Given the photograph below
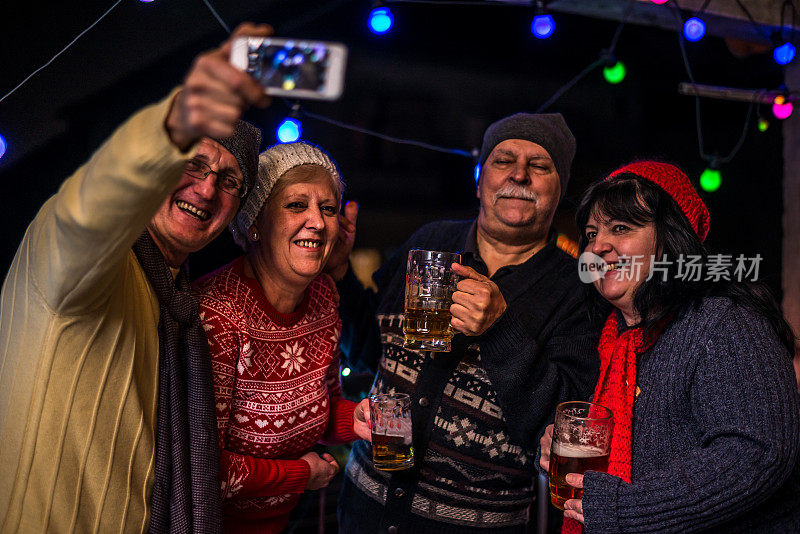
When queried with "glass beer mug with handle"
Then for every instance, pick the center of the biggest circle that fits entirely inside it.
(390, 420)
(581, 442)
(430, 283)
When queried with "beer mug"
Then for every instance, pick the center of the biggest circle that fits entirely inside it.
(430, 283)
(581, 442)
(390, 417)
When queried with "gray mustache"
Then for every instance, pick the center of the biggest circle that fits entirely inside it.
(514, 191)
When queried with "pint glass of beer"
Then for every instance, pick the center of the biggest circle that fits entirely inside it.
(581, 441)
(390, 416)
(430, 283)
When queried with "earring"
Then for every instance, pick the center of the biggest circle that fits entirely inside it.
(254, 235)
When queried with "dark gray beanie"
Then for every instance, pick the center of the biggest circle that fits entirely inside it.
(244, 145)
(548, 130)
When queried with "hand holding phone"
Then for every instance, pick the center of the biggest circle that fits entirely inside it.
(293, 68)
(214, 94)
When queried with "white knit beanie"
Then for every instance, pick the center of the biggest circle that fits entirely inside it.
(273, 163)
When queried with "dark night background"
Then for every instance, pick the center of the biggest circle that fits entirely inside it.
(442, 75)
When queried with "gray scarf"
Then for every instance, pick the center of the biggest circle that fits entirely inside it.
(186, 490)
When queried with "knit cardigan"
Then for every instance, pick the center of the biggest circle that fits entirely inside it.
(79, 344)
(716, 433)
(276, 383)
(478, 410)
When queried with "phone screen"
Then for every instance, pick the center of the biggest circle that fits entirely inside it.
(289, 65)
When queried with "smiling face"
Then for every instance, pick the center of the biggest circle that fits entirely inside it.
(196, 212)
(518, 190)
(628, 250)
(298, 227)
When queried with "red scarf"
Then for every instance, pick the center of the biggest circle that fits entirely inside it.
(616, 390)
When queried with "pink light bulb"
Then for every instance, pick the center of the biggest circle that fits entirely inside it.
(782, 111)
(659, 2)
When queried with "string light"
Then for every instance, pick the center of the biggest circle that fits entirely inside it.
(289, 130)
(216, 16)
(784, 53)
(781, 108)
(711, 179)
(543, 24)
(694, 29)
(381, 20)
(615, 73)
(34, 73)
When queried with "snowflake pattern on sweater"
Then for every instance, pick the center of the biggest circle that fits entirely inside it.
(276, 382)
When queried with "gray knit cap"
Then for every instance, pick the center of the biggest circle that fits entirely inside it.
(244, 145)
(548, 130)
(273, 163)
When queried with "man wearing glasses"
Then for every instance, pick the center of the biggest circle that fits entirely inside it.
(107, 422)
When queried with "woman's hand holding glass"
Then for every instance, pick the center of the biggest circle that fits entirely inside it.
(361, 426)
(573, 508)
(545, 442)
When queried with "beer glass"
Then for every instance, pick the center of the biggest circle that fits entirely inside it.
(390, 417)
(581, 441)
(430, 283)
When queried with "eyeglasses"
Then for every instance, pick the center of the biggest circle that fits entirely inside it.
(226, 182)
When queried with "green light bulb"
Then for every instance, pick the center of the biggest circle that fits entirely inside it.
(710, 180)
(763, 124)
(615, 73)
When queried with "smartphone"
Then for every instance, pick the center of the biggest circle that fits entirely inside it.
(293, 68)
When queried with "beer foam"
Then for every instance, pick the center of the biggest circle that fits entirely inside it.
(570, 450)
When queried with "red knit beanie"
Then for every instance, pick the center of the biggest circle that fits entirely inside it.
(672, 180)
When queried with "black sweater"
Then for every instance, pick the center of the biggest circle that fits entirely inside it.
(540, 352)
(716, 433)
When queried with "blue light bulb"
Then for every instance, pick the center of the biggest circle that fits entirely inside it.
(2, 146)
(784, 53)
(380, 20)
(289, 130)
(477, 172)
(543, 26)
(694, 29)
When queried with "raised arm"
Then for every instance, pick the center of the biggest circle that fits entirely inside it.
(76, 245)
(79, 239)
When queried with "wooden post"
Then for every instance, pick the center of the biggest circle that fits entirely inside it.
(791, 213)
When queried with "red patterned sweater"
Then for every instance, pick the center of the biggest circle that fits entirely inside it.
(276, 381)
